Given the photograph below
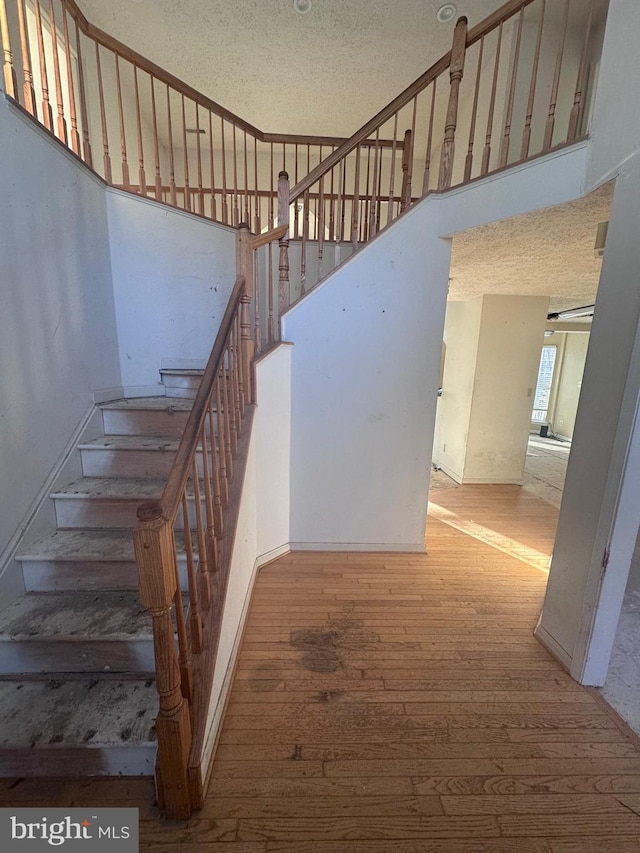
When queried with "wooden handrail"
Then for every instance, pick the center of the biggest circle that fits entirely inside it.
(269, 236)
(360, 136)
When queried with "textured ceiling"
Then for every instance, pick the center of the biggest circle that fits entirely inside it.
(549, 252)
(326, 72)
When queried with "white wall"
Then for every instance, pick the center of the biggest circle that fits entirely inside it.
(461, 333)
(173, 274)
(510, 339)
(615, 127)
(572, 352)
(365, 373)
(58, 338)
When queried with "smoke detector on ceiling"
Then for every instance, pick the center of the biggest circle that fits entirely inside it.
(302, 6)
(446, 13)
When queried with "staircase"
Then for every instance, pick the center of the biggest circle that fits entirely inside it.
(77, 647)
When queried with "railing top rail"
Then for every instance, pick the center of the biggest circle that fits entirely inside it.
(168, 505)
(492, 22)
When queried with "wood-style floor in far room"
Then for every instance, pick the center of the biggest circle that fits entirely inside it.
(394, 703)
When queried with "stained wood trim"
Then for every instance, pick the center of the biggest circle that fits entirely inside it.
(269, 236)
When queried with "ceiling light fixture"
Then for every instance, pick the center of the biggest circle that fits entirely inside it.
(302, 6)
(446, 13)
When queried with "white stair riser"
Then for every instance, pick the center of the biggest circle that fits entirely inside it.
(144, 422)
(59, 575)
(54, 656)
(115, 462)
(100, 514)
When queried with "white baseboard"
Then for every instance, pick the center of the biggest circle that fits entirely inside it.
(552, 645)
(454, 476)
(403, 547)
(270, 556)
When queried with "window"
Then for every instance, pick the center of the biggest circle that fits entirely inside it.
(543, 388)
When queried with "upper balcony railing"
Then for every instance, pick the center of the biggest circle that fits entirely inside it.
(139, 127)
(517, 86)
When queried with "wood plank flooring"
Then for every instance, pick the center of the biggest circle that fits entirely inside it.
(394, 703)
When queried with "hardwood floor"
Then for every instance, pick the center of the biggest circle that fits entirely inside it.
(394, 703)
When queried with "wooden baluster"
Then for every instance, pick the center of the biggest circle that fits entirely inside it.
(257, 219)
(244, 265)
(236, 210)
(427, 157)
(392, 169)
(305, 240)
(210, 535)
(47, 113)
(27, 89)
(343, 198)
(187, 194)
(456, 72)
(272, 222)
(126, 182)
(576, 109)
(332, 204)
(204, 585)
(199, 155)
(247, 212)
(155, 558)
(212, 170)
(270, 317)
(9, 72)
(284, 294)
(225, 207)
(526, 134)
(364, 225)
(142, 178)
(257, 334)
(172, 167)
(231, 396)
(86, 142)
(486, 153)
(356, 201)
(372, 227)
(103, 120)
(75, 136)
(216, 456)
(195, 618)
(236, 377)
(506, 139)
(156, 146)
(184, 659)
(551, 119)
(296, 231)
(320, 225)
(224, 436)
(468, 164)
(407, 158)
(61, 122)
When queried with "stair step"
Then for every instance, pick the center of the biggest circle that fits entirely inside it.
(105, 631)
(104, 502)
(77, 727)
(159, 416)
(181, 382)
(85, 560)
(128, 456)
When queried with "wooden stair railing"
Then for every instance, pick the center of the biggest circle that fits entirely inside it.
(489, 103)
(199, 505)
(138, 126)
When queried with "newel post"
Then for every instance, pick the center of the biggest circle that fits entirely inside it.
(456, 72)
(283, 263)
(244, 266)
(155, 557)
